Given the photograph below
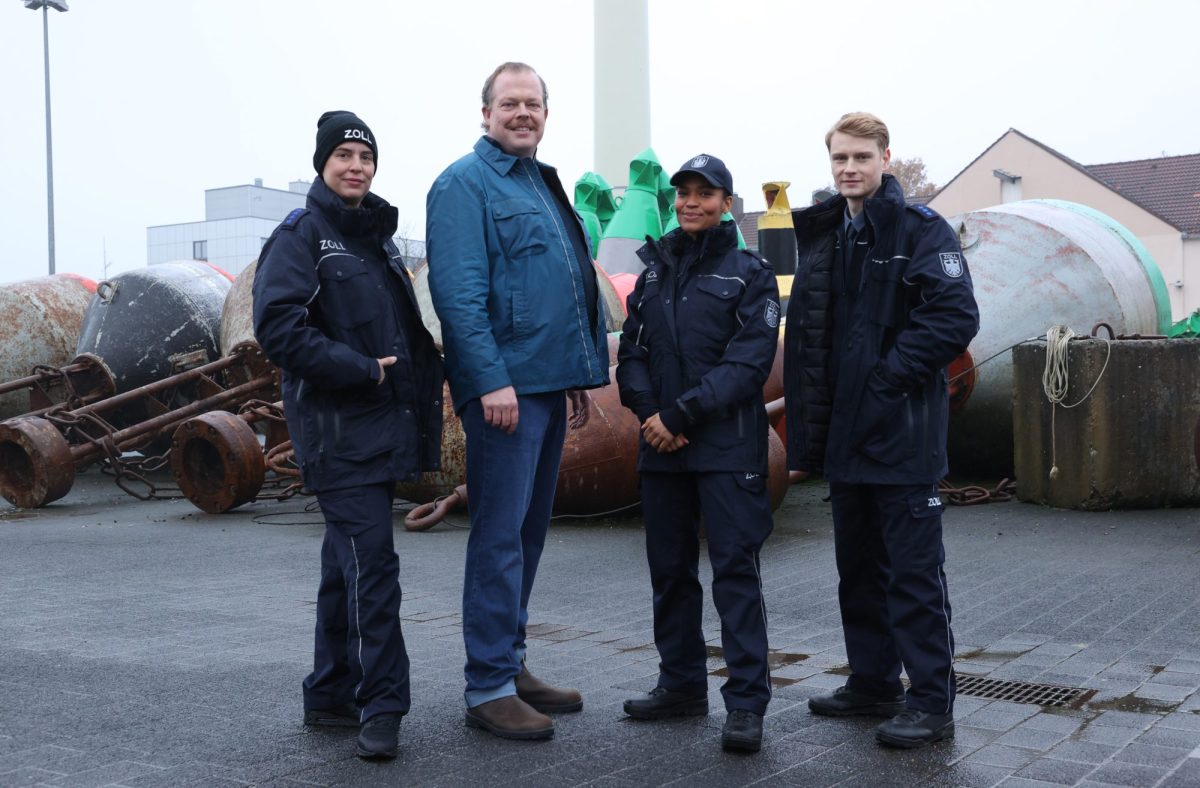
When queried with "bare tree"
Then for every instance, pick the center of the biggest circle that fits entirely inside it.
(912, 177)
(412, 250)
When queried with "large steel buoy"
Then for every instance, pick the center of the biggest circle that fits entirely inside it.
(138, 320)
(39, 325)
(237, 311)
(1036, 264)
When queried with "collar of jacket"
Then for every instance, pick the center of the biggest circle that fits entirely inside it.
(821, 218)
(671, 247)
(490, 151)
(375, 215)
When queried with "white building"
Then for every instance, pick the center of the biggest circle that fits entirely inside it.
(238, 220)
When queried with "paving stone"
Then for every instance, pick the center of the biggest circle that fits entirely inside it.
(1001, 755)
(1163, 692)
(1189, 680)
(1129, 774)
(774, 759)
(1151, 755)
(806, 774)
(999, 719)
(1171, 737)
(1031, 738)
(117, 772)
(1186, 776)
(1107, 734)
(1059, 723)
(969, 775)
(1187, 722)
(29, 775)
(1183, 665)
(1055, 771)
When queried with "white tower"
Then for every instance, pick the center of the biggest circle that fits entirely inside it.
(622, 71)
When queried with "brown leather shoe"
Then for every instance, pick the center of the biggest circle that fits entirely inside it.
(545, 698)
(510, 718)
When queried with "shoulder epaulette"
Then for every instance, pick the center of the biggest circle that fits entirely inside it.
(925, 212)
(292, 219)
(758, 258)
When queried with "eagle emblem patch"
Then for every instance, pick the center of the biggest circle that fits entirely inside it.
(771, 314)
(952, 264)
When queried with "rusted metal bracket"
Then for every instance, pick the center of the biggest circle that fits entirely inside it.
(219, 464)
(85, 380)
(40, 455)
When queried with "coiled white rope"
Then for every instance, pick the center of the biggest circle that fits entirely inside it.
(1056, 380)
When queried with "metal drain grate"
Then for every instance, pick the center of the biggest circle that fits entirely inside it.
(1020, 691)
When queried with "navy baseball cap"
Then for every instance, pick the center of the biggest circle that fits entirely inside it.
(710, 168)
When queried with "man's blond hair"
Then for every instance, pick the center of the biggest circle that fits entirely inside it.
(860, 124)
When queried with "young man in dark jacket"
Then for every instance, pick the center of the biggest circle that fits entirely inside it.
(362, 383)
(881, 303)
(696, 349)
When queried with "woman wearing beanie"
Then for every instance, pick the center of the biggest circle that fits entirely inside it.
(695, 352)
(362, 385)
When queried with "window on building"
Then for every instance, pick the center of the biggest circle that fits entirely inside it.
(199, 250)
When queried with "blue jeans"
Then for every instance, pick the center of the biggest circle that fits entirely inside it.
(510, 492)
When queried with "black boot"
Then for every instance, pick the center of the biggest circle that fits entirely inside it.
(377, 739)
(844, 702)
(742, 731)
(912, 728)
(661, 702)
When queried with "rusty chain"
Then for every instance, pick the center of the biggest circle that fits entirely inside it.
(973, 495)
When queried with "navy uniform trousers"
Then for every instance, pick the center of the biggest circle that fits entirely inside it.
(358, 653)
(737, 520)
(892, 592)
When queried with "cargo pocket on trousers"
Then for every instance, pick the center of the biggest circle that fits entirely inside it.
(923, 534)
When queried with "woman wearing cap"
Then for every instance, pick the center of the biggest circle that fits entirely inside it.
(362, 383)
(695, 352)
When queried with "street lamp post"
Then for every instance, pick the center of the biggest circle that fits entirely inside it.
(46, 5)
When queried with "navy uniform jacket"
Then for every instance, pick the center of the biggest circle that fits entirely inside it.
(330, 297)
(697, 348)
(885, 421)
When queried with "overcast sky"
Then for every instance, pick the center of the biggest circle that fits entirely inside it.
(154, 102)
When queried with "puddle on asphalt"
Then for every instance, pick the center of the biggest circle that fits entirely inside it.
(776, 681)
(989, 656)
(643, 647)
(775, 659)
(16, 514)
(1133, 703)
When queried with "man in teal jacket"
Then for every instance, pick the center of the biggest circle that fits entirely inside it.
(522, 326)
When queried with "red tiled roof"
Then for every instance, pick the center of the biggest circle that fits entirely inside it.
(748, 224)
(1168, 187)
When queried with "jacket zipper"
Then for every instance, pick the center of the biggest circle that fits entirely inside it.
(567, 258)
(924, 430)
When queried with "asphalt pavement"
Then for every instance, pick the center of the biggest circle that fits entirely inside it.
(145, 643)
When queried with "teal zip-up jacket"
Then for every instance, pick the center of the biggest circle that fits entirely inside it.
(505, 282)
